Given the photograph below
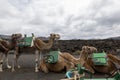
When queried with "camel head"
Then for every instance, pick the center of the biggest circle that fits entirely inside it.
(54, 36)
(89, 49)
(84, 54)
(16, 36)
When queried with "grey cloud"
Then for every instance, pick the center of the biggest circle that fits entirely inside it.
(98, 19)
(109, 20)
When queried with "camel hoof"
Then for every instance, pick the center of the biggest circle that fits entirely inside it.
(1, 70)
(36, 70)
(13, 70)
(9, 67)
(19, 67)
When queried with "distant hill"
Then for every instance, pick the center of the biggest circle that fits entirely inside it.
(43, 38)
(108, 44)
(7, 37)
(115, 38)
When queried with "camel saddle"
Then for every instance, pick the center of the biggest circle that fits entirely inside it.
(99, 58)
(52, 57)
(26, 42)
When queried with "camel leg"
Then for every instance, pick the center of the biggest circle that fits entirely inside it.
(13, 63)
(1, 62)
(43, 67)
(89, 68)
(114, 58)
(40, 57)
(36, 60)
(6, 60)
(69, 57)
(16, 59)
(75, 77)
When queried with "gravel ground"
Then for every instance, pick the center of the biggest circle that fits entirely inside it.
(26, 72)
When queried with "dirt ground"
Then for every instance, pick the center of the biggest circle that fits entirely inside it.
(26, 72)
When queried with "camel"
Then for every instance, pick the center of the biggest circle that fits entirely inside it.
(109, 68)
(38, 47)
(86, 61)
(74, 60)
(6, 46)
(61, 65)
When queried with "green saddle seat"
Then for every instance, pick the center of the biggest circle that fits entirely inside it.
(99, 58)
(27, 41)
(52, 57)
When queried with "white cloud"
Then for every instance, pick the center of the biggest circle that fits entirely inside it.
(73, 19)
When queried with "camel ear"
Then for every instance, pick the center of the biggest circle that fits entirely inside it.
(32, 34)
(51, 34)
(13, 35)
(84, 47)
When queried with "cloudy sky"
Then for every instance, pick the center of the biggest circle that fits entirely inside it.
(72, 19)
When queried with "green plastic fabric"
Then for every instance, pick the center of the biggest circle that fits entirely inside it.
(52, 57)
(101, 79)
(27, 41)
(99, 58)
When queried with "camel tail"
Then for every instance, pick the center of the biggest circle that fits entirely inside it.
(114, 58)
(3, 47)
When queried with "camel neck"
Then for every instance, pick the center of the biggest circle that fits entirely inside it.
(12, 43)
(49, 44)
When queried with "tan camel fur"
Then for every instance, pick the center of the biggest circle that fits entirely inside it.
(69, 57)
(6, 46)
(108, 69)
(86, 61)
(61, 65)
(90, 49)
(39, 46)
